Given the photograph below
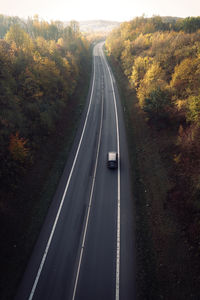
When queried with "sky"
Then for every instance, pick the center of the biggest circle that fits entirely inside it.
(83, 10)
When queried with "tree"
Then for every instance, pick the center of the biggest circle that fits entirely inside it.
(127, 57)
(193, 113)
(140, 66)
(20, 38)
(191, 24)
(18, 149)
(185, 79)
(157, 104)
(154, 78)
(74, 25)
(114, 44)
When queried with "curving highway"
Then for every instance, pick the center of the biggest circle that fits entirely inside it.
(86, 248)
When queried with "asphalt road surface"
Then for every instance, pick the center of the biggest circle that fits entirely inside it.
(86, 248)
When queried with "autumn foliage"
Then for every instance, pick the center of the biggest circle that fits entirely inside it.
(40, 66)
(161, 59)
(17, 148)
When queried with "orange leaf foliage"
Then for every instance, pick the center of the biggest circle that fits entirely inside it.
(17, 147)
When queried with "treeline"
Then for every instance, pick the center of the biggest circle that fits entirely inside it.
(40, 65)
(161, 60)
(36, 27)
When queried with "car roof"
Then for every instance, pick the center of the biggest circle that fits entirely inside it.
(112, 155)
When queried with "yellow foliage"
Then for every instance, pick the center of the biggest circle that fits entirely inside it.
(181, 104)
(142, 42)
(19, 38)
(185, 79)
(153, 78)
(141, 64)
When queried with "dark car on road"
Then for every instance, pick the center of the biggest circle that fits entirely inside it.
(112, 160)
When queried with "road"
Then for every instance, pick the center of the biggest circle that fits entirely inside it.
(86, 248)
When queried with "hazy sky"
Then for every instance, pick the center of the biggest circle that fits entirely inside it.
(119, 10)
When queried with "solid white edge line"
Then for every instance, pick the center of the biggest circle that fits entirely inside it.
(90, 202)
(118, 193)
(63, 197)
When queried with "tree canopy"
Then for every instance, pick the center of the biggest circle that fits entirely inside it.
(161, 59)
(40, 66)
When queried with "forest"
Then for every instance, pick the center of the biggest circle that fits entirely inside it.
(40, 65)
(44, 75)
(160, 59)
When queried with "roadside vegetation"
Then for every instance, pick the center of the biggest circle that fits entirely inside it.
(44, 79)
(157, 62)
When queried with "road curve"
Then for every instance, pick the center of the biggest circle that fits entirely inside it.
(86, 250)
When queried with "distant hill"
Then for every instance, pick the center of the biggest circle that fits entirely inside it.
(107, 26)
(98, 26)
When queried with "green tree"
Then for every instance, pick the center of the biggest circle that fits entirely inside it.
(193, 113)
(191, 24)
(20, 38)
(157, 104)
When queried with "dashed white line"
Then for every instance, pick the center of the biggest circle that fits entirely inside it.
(90, 203)
(89, 207)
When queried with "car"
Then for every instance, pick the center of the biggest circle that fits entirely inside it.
(112, 160)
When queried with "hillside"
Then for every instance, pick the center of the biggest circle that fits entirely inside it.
(98, 26)
(158, 66)
(43, 86)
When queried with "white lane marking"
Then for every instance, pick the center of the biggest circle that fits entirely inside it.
(118, 191)
(90, 203)
(63, 197)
